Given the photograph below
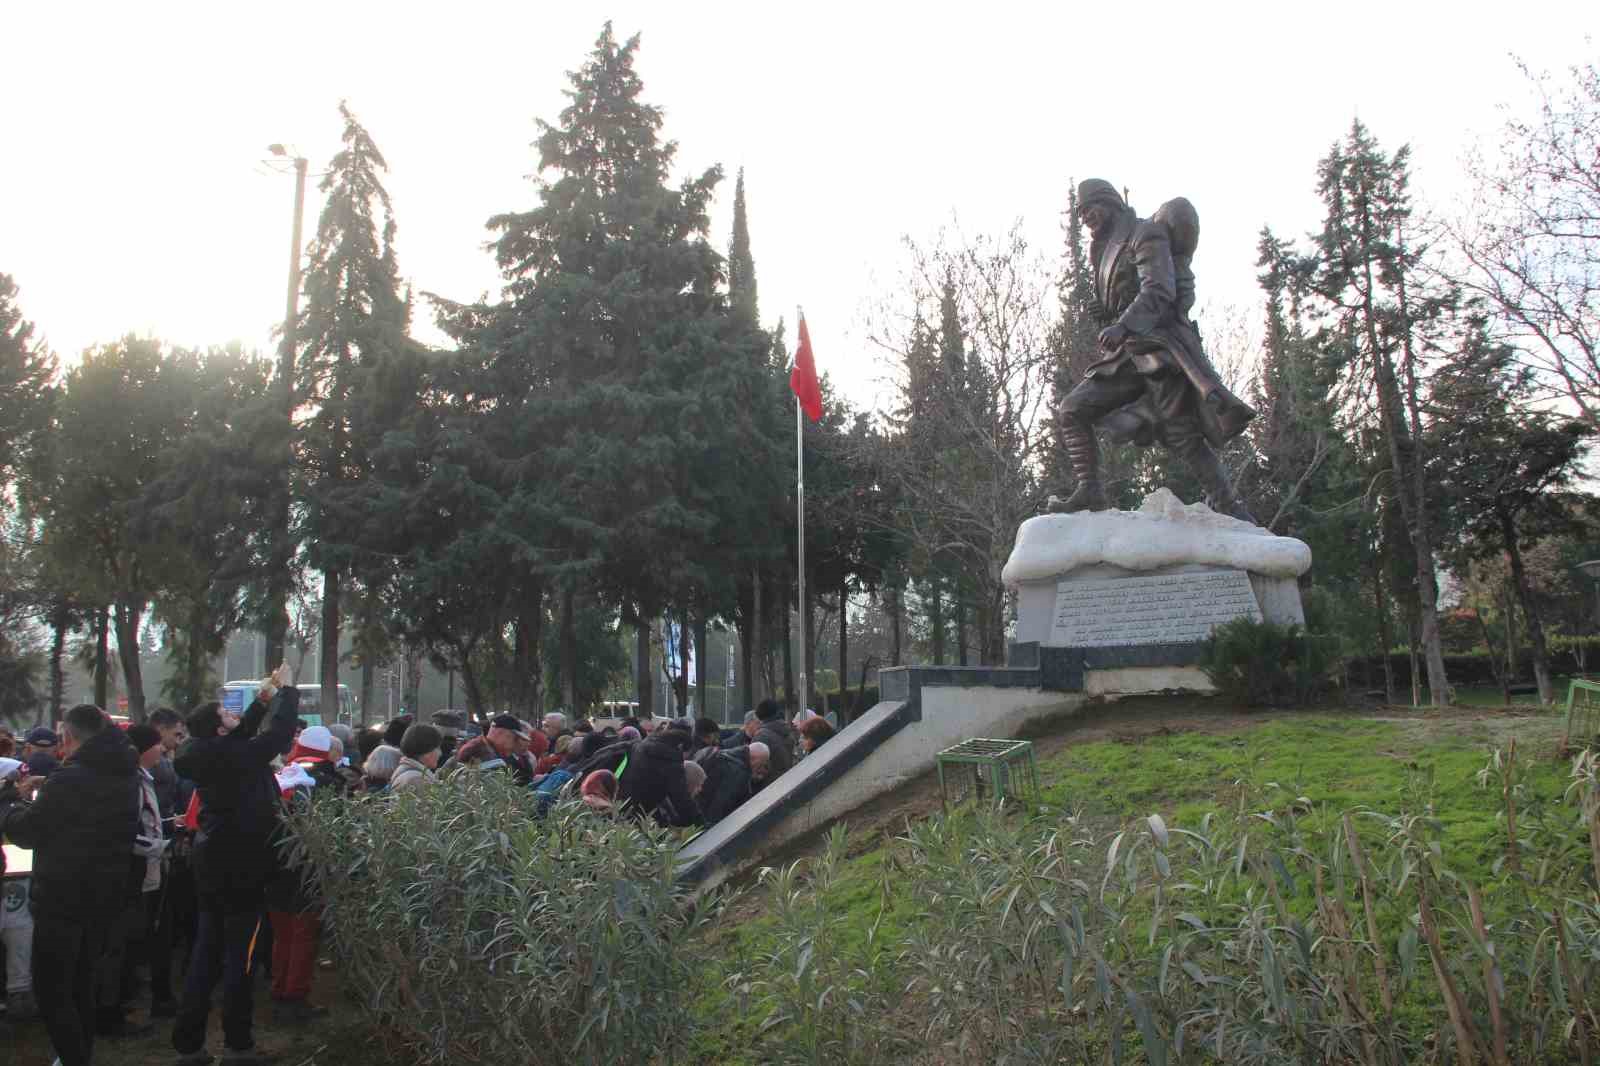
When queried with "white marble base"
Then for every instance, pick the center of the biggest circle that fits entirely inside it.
(1142, 680)
(1279, 598)
(1163, 537)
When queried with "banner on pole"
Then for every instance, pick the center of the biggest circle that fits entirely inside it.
(803, 378)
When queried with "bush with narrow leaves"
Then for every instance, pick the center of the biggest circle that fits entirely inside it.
(474, 931)
(825, 997)
(1286, 935)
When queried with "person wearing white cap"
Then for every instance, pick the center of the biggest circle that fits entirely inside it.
(309, 773)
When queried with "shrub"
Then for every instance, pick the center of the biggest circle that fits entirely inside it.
(826, 991)
(1568, 655)
(474, 931)
(1261, 664)
(1286, 935)
(853, 708)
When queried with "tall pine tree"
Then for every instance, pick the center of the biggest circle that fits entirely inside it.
(615, 325)
(354, 322)
(1367, 279)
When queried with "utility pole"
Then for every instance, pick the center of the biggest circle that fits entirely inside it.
(282, 551)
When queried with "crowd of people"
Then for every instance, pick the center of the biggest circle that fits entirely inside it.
(166, 840)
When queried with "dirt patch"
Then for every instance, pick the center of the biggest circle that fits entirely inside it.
(339, 1038)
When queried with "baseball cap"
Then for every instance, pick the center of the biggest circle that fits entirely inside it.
(41, 737)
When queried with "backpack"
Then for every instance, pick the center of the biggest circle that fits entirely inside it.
(1182, 223)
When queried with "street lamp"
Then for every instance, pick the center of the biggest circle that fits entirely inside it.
(1591, 569)
(278, 576)
(732, 651)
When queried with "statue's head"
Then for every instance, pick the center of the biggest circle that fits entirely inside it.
(1099, 204)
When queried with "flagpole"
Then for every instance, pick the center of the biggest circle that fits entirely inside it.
(800, 499)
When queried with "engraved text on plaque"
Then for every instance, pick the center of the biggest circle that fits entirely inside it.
(1160, 609)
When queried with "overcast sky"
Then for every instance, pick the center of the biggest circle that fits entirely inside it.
(133, 196)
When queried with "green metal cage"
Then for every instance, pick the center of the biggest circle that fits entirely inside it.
(985, 769)
(1583, 714)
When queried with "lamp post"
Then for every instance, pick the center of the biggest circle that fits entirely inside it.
(732, 650)
(282, 554)
(1591, 569)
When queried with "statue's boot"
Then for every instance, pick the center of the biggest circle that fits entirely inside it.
(1220, 496)
(1084, 457)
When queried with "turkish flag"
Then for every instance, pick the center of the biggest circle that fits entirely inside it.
(803, 378)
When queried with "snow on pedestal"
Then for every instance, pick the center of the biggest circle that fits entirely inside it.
(1163, 532)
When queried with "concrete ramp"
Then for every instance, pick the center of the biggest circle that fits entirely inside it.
(926, 711)
(749, 832)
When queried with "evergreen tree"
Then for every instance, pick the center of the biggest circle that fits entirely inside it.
(120, 410)
(1503, 464)
(354, 322)
(27, 370)
(1308, 480)
(27, 400)
(615, 330)
(1366, 278)
(741, 264)
(205, 509)
(752, 494)
(754, 546)
(436, 495)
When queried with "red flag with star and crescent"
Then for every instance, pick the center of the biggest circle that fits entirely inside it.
(803, 378)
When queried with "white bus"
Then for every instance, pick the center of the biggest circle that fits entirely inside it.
(236, 696)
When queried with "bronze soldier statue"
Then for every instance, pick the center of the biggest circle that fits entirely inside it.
(1153, 381)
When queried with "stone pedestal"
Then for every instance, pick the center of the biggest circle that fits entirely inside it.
(1137, 592)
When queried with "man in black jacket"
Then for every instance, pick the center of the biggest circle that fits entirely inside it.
(229, 760)
(81, 828)
(731, 778)
(777, 735)
(655, 774)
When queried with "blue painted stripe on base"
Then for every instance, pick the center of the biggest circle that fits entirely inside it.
(1127, 655)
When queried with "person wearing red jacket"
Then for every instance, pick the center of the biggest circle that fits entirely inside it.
(308, 775)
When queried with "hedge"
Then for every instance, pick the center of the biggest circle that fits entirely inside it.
(1476, 667)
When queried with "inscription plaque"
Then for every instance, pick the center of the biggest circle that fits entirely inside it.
(1159, 609)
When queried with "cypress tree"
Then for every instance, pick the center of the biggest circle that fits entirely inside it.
(741, 264)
